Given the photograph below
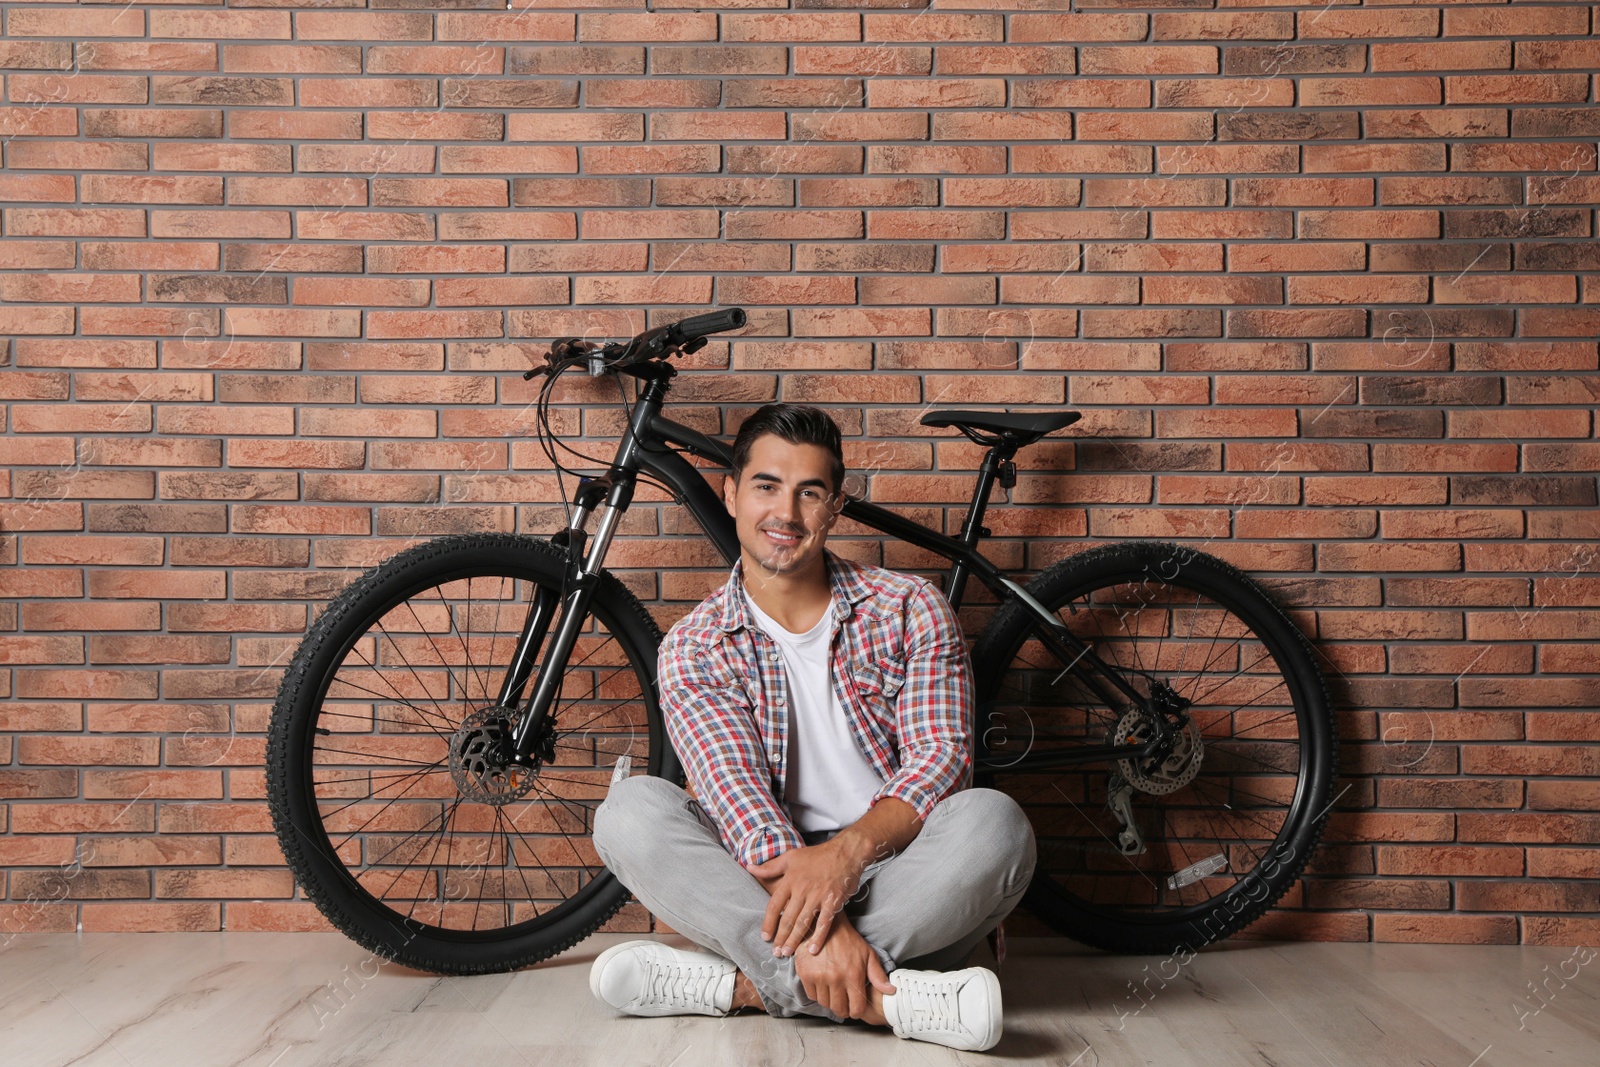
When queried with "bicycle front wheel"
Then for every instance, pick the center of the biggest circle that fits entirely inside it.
(1195, 843)
(389, 803)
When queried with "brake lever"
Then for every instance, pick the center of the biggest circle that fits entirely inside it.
(561, 351)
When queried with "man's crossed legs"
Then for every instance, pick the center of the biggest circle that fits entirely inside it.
(924, 909)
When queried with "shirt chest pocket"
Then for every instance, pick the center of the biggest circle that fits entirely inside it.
(878, 686)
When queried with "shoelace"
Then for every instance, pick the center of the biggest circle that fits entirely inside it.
(683, 985)
(932, 1006)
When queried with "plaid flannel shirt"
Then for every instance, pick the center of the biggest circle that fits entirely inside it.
(900, 670)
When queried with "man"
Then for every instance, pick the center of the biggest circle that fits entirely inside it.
(834, 861)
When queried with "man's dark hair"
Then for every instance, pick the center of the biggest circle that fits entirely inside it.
(798, 424)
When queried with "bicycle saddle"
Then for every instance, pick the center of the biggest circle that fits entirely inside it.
(1023, 428)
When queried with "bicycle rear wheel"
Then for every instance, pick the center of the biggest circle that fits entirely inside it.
(395, 818)
(1152, 856)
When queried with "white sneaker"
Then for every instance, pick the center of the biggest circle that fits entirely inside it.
(649, 978)
(960, 1009)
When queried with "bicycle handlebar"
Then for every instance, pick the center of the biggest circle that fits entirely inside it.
(702, 325)
(686, 335)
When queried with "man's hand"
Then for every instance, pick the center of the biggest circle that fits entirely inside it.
(838, 976)
(809, 887)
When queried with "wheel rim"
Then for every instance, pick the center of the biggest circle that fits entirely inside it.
(1230, 823)
(384, 797)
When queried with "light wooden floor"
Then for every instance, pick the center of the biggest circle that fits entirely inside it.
(268, 1000)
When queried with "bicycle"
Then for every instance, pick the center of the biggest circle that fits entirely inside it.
(1175, 757)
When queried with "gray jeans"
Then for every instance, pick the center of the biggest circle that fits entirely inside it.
(927, 907)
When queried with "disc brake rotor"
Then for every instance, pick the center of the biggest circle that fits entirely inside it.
(477, 761)
(1174, 772)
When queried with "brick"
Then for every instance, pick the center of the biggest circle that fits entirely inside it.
(157, 255)
(1567, 158)
(1442, 55)
(1288, 126)
(1274, 60)
(215, 288)
(1231, 93)
(75, 222)
(1221, 26)
(1453, 123)
(1268, 322)
(1335, 225)
(1303, 192)
(937, 92)
(1436, 256)
(43, 89)
(1292, 256)
(219, 223)
(1548, 55)
(591, 59)
(1364, 92)
(36, 55)
(1485, 289)
(1561, 189)
(44, 22)
(1137, 322)
(1500, 489)
(1124, 126)
(434, 125)
(291, 322)
(1154, 192)
(77, 684)
(152, 122)
(1145, 256)
(20, 254)
(1013, 125)
(1511, 355)
(56, 650)
(157, 518)
(82, 418)
(1230, 290)
(1358, 289)
(1078, 225)
(133, 189)
(1335, 23)
(1558, 322)
(1517, 223)
(1148, 59)
(1534, 22)
(1516, 88)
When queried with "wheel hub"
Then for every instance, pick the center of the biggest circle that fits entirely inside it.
(1173, 771)
(479, 759)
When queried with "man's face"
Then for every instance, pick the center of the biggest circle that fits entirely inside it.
(783, 504)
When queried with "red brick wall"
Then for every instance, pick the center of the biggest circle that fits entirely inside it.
(1321, 277)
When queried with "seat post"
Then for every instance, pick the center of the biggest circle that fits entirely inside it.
(996, 465)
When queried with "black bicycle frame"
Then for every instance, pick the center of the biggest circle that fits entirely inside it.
(648, 447)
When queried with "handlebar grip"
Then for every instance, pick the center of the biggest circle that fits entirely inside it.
(710, 322)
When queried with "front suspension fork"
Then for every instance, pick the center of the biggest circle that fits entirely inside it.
(582, 577)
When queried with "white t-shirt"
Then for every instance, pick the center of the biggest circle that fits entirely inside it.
(830, 782)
